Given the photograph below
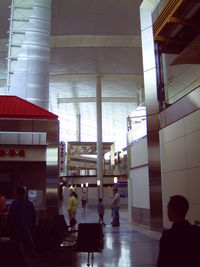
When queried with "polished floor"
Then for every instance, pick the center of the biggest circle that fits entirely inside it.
(124, 246)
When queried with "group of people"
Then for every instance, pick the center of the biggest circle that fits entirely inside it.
(73, 204)
(114, 208)
(178, 246)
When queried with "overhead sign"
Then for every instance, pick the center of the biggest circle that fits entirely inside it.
(62, 156)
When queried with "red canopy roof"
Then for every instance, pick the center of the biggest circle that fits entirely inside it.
(15, 107)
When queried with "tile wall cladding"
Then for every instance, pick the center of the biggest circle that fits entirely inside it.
(173, 155)
(141, 216)
(194, 212)
(180, 155)
(193, 149)
(139, 154)
(140, 187)
(192, 122)
(194, 185)
(172, 132)
(174, 183)
(166, 222)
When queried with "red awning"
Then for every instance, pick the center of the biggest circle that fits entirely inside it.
(15, 107)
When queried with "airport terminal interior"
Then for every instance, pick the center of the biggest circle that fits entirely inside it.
(96, 95)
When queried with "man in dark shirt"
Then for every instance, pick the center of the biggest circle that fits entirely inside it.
(21, 219)
(179, 246)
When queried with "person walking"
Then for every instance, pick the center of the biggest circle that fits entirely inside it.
(115, 207)
(21, 220)
(72, 208)
(100, 210)
(179, 246)
(84, 201)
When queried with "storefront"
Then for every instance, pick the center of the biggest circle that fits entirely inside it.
(29, 141)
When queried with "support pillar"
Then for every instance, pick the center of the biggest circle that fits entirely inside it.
(78, 127)
(99, 135)
(153, 103)
(29, 57)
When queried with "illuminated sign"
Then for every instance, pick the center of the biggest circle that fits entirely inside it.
(12, 153)
(62, 151)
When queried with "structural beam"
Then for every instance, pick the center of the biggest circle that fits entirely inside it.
(171, 7)
(170, 40)
(70, 77)
(93, 99)
(185, 22)
(95, 41)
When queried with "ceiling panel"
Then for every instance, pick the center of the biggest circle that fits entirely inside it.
(95, 17)
(76, 61)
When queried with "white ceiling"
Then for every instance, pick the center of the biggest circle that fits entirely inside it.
(90, 38)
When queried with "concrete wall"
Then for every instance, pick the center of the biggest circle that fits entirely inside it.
(180, 163)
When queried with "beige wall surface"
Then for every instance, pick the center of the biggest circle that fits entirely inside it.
(180, 163)
(139, 175)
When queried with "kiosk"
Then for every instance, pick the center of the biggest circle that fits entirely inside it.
(29, 143)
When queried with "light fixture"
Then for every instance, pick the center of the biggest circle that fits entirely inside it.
(115, 180)
(98, 182)
(71, 187)
(86, 184)
(82, 185)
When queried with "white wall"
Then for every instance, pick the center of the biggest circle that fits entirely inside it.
(180, 163)
(139, 155)
(140, 187)
(139, 175)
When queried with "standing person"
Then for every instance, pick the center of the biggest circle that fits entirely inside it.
(22, 219)
(179, 245)
(100, 209)
(2, 203)
(72, 208)
(84, 201)
(115, 207)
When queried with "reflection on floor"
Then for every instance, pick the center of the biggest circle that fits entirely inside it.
(124, 246)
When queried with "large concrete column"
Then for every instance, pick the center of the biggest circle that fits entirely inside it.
(29, 77)
(99, 135)
(153, 104)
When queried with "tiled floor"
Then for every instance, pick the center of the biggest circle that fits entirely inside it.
(124, 246)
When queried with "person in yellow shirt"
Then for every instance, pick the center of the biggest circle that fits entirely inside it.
(72, 208)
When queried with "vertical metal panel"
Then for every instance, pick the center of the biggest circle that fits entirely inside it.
(52, 180)
(153, 119)
(52, 129)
